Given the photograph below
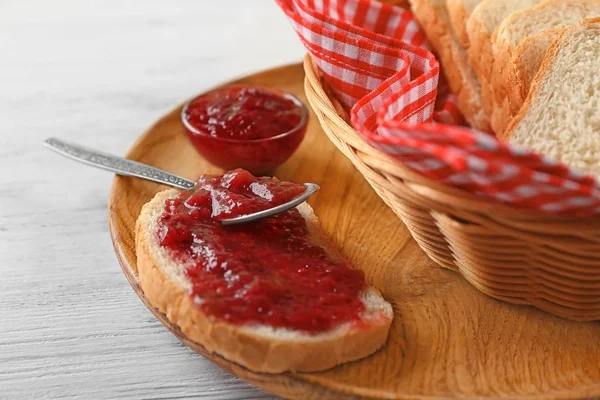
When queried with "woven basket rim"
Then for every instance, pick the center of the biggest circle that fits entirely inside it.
(437, 192)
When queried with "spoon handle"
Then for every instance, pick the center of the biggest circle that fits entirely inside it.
(118, 165)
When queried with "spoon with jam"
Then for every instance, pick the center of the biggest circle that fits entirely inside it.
(240, 196)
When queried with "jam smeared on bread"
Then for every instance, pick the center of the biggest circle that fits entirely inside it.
(164, 277)
(270, 272)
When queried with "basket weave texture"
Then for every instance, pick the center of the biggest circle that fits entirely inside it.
(519, 256)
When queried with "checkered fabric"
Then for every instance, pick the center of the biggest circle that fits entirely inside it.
(377, 62)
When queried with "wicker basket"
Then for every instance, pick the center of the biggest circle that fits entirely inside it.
(520, 256)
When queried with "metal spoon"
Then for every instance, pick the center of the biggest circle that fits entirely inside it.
(123, 166)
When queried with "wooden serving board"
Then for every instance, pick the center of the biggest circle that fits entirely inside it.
(447, 339)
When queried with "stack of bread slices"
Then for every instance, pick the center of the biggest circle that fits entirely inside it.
(525, 70)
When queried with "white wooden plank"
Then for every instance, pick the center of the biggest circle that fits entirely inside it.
(99, 73)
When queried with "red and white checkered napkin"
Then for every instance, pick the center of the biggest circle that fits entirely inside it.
(375, 58)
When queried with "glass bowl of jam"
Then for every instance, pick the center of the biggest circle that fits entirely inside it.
(249, 127)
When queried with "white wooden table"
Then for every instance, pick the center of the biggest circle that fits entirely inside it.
(98, 73)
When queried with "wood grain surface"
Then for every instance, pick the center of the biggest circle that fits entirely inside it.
(447, 340)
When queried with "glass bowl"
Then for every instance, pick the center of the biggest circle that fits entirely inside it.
(255, 155)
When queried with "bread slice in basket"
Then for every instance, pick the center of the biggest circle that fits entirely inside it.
(433, 17)
(460, 11)
(482, 24)
(260, 348)
(561, 116)
(551, 14)
(525, 64)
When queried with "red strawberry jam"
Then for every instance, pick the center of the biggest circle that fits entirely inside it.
(269, 272)
(244, 114)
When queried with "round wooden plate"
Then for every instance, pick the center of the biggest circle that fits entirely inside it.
(447, 339)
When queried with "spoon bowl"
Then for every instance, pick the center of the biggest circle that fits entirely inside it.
(311, 188)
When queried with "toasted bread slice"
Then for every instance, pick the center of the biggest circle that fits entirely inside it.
(481, 26)
(435, 21)
(561, 116)
(517, 27)
(459, 12)
(258, 347)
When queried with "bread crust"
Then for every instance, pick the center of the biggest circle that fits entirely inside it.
(399, 3)
(518, 75)
(525, 63)
(482, 28)
(501, 53)
(541, 75)
(481, 58)
(433, 18)
(242, 344)
(501, 116)
(458, 17)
